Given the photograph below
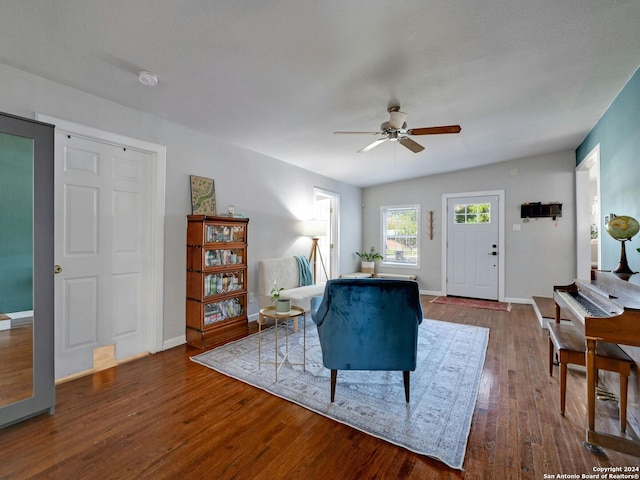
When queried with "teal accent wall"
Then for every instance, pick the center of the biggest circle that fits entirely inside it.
(618, 133)
(16, 223)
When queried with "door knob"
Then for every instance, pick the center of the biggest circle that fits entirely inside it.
(57, 269)
(492, 253)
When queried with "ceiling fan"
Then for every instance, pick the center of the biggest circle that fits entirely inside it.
(395, 130)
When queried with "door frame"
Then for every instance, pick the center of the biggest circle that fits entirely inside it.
(334, 227)
(158, 152)
(587, 171)
(501, 236)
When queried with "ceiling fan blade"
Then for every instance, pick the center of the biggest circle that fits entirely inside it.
(356, 133)
(374, 144)
(435, 130)
(410, 144)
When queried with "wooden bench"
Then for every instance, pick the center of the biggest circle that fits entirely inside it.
(571, 346)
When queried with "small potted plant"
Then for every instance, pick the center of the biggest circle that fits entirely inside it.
(283, 305)
(369, 260)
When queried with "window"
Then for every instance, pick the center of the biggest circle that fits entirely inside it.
(473, 213)
(400, 235)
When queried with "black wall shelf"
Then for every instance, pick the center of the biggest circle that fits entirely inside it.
(541, 210)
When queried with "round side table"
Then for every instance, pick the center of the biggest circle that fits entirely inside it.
(282, 317)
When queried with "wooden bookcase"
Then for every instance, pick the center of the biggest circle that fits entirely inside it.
(216, 280)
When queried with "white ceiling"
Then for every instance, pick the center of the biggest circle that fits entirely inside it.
(522, 77)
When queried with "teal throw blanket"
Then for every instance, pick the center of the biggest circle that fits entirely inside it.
(304, 269)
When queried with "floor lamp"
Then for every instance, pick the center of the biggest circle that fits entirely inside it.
(316, 229)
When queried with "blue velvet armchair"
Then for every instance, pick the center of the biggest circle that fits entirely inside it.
(368, 324)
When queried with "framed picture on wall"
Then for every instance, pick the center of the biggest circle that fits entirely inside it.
(203, 196)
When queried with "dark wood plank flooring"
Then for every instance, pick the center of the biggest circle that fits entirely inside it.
(16, 364)
(164, 416)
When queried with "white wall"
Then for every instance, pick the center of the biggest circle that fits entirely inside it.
(539, 256)
(274, 195)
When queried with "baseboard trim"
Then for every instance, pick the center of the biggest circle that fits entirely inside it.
(430, 292)
(174, 342)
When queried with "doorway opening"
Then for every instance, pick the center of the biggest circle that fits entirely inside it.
(326, 206)
(589, 227)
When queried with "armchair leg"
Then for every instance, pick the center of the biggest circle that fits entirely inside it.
(405, 374)
(334, 376)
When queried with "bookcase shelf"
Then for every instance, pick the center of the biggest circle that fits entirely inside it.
(216, 310)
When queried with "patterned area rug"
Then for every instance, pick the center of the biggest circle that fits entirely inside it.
(473, 302)
(444, 386)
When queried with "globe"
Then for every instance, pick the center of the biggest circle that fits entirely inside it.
(623, 227)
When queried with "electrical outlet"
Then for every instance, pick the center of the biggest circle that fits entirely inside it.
(252, 297)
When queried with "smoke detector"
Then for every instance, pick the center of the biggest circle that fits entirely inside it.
(148, 79)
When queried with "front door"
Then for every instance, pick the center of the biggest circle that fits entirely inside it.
(103, 247)
(472, 246)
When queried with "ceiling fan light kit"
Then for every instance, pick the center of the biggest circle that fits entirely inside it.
(395, 130)
(398, 118)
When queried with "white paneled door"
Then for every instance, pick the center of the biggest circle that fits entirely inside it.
(103, 248)
(472, 246)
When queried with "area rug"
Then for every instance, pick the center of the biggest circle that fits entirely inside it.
(473, 302)
(444, 386)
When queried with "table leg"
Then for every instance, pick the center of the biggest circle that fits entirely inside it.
(260, 320)
(276, 348)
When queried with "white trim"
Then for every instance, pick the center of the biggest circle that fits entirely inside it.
(23, 314)
(334, 220)
(583, 213)
(159, 154)
(430, 292)
(501, 236)
(383, 236)
(174, 342)
(524, 301)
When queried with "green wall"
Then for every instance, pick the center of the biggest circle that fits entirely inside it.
(16, 223)
(618, 133)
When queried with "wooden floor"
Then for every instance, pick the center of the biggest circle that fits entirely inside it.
(164, 416)
(16, 364)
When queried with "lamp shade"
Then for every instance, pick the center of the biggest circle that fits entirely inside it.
(315, 228)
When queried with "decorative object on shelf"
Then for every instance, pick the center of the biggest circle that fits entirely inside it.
(622, 228)
(283, 305)
(203, 196)
(315, 229)
(369, 260)
(231, 209)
